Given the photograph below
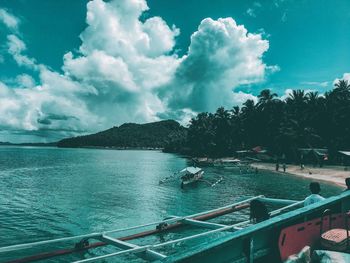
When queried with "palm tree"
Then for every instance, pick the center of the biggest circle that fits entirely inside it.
(342, 85)
(266, 96)
(304, 119)
(297, 97)
(341, 91)
(248, 106)
(236, 111)
(222, 126)
(312, 96)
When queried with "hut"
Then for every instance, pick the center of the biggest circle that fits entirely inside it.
(313, 155)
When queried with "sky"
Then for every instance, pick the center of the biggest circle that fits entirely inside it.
(69, 68)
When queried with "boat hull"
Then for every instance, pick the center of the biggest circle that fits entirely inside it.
(194, 179)
(259, 242)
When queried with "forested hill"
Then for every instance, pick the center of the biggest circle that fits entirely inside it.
(130, 135)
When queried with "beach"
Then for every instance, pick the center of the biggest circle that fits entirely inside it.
(331, 174)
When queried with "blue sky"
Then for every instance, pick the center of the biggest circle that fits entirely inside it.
(73, 67)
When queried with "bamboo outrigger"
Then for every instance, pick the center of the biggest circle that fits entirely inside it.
(145, 252)
(239, 243)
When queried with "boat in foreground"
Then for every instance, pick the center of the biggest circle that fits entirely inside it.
(267, 241)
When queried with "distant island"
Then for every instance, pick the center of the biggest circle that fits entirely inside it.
(42, 144)
(155, 135)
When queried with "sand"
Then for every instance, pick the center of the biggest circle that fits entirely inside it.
(330, 174)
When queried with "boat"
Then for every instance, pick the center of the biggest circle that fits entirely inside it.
(190, 175)
(227, 162)
(268, 241)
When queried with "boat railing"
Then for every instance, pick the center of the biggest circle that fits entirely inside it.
(171, 242)
(147, 251)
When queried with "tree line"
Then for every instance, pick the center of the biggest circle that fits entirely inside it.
(302, 120)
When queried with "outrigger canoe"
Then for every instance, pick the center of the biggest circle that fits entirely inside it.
(190, 175)
(267, 241)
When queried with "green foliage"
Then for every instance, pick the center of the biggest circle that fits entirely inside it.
(130, 135)
(301, 120)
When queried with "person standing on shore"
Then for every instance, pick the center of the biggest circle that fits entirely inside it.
(284, 167)
(315, 189)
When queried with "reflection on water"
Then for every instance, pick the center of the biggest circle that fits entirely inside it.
(50, 192)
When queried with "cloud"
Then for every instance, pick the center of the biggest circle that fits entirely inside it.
(284, 17)
(25, 81)
(125, 60)
(289, 91)
(9, 20)
(278, 3)
(222, 55)
(23, 108)
(346, 76)
(273, 68)
(126, 70)
(251, 12)
(16, 47)
(316, 83)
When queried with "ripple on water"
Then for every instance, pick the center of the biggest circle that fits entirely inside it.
(50, 192)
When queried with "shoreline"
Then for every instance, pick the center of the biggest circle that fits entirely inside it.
(330, 174)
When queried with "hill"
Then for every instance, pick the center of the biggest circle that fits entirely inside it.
(131, 135)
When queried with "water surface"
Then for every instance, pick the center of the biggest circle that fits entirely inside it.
(51, 192)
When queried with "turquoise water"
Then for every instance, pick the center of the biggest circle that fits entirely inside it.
(50, 192)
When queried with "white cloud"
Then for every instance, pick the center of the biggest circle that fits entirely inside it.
(251, 12)
(8, 19)
(126, 70)
(316, 83)
(125, 60)
(289, 91)
(346, 76)
(222, 55)
(273, 68)
(25, 81)
(241, 97)
(16, 47)
(284, 17)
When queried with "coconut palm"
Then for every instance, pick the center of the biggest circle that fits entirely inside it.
(297, 97)
(343, 85)
(248, 107)
(266, 96)
(304, 119)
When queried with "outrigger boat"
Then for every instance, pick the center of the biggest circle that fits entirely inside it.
(273, 240)
(190, 175)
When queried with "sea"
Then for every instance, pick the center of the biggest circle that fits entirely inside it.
(48, 192)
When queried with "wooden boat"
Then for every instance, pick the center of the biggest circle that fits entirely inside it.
(227, 162)
(190, 175)
(267, 241)
(273, 240)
